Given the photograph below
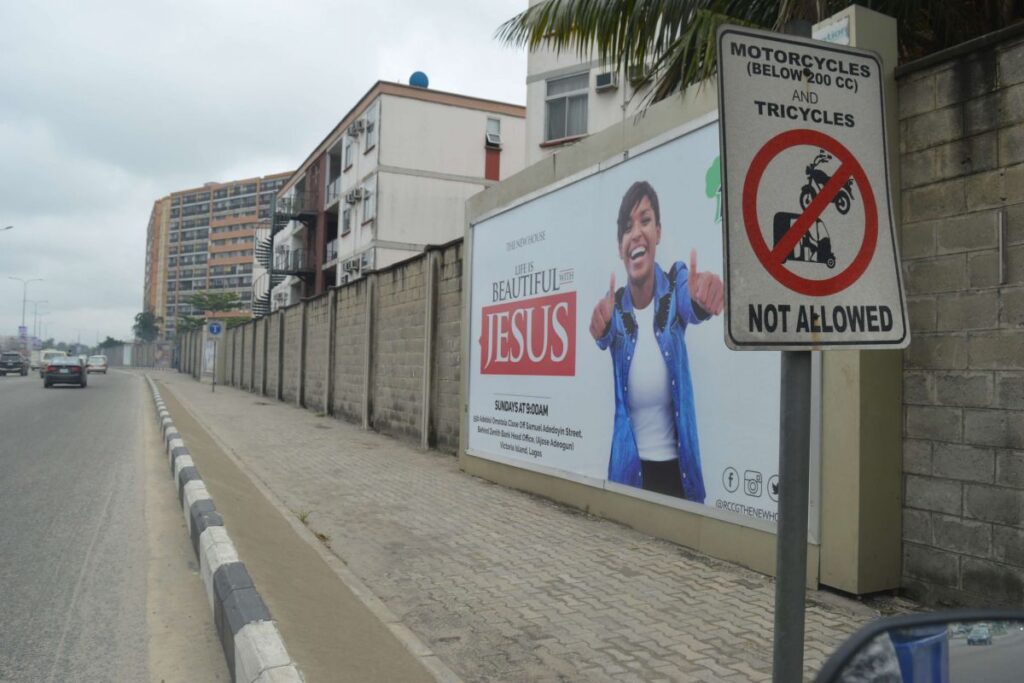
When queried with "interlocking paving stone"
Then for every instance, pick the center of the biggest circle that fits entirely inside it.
(503, 585)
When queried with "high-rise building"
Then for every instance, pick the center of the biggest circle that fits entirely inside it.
(155, 293)
(202, 239)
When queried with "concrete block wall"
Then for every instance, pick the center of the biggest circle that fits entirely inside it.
(273, 346)
(447, 352)
(318, 337)
(225, 349)
(962, 173)
(399, 316)
(236, 356)
(391, 385)
(197, 354)
(258, 367)
(245, 381)
(292, 353)
(350, 351)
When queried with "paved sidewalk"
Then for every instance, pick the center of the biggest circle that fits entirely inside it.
(502, 585)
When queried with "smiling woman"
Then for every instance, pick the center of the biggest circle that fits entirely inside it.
(643, 325)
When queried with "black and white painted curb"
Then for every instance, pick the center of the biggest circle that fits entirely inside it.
(252, 644)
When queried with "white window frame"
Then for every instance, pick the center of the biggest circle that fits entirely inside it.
(370, 199)
(492, 136)
(583, 90)
(348, 155)
(346, 220)
(372, 118)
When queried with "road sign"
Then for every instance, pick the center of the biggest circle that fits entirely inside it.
(810, 253)
(214, 328)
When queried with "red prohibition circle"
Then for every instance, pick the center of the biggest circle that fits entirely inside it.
(752, 183)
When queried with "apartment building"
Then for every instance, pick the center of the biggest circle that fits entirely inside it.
(392, 177)
(154, 298)
(202, 239)
(569, 97)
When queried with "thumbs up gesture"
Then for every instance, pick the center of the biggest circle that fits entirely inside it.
(706, 289)
(602, 315)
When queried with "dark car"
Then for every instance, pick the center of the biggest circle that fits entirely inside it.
(64, 370)
(13, 363)
(979, 635)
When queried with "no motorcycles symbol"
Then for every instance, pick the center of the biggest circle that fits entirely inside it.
(796, 229)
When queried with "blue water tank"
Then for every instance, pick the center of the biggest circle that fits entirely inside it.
(419, 80)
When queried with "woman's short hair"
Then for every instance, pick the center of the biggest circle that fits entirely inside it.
(634, 194)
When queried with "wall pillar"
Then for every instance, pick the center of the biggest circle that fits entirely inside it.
(371, 293)
(332, 337)
(427, 438)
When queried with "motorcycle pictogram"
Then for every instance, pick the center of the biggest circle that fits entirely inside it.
(817, 178)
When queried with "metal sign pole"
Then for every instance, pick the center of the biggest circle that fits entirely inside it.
(794, 468)
(213, 384)
(791, 542)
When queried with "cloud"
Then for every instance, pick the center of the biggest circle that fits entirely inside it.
(108, 106)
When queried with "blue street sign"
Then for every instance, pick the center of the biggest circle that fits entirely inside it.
(215, 328)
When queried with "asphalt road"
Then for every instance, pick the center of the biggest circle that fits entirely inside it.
(999, 662)
(91, 541)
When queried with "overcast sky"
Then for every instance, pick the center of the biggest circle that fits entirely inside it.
(107, 105)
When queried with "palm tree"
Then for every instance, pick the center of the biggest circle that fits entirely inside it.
(670, 44)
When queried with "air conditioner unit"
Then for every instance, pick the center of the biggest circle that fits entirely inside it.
(354, 195)
(343, 279)
(355, 128)
(351, 265)
(607, 80)
(494, 139)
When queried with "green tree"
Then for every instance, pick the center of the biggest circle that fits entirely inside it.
(147, 326)
(670, 44)
(214, 302)
(110, 342)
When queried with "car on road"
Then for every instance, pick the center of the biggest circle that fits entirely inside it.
(46, 356)
(979, 635)
(96, 364)
(64, 370)
(13, 363)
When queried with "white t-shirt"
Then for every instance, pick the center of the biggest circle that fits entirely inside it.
(648, 397)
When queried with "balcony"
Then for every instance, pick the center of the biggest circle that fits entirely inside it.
(333, 193)
(293, 262)
(298, 207)
(331, 253)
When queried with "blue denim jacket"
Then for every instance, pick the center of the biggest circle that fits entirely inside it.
(673, 313)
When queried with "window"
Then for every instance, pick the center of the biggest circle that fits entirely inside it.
(346, 220)
(493, 136)
(566, 106)
(370, 199)
(349, 144)
(371, 126)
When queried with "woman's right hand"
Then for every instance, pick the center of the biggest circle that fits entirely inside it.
(602, 315)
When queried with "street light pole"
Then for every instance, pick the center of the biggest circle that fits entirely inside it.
(24, 292)
(35, 314)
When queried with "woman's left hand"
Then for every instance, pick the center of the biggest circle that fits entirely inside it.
(706, 288)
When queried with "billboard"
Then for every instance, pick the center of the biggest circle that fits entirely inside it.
(596, 340)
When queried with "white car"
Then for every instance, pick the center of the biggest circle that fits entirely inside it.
(96, 364)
